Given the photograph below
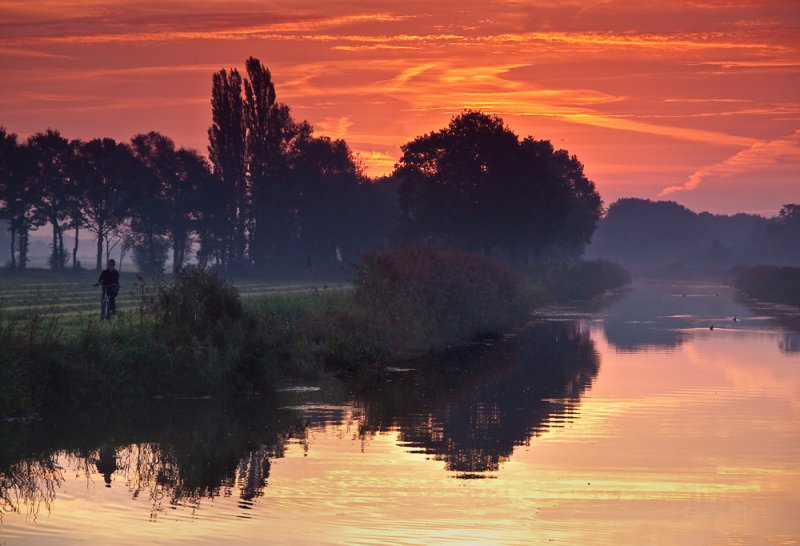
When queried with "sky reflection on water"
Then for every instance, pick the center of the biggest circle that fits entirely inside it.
(589, 430)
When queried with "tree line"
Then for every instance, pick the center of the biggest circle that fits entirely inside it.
(649, 235)
(273, 197)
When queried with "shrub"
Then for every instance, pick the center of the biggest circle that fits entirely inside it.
(775, 284)
(200, 318)
(33, 372)
(414, 299)
(582, 280)
(199, 306)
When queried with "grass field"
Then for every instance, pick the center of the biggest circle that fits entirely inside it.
(71, 295)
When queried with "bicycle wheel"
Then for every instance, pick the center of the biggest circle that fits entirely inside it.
(105, 308)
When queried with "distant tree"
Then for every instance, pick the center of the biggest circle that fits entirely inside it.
(227, 147)
(640, 231)
(5, 240)
(475, 185)
(104, 171)
(330, 203)
(19, 196)
(77, 219)
(53, 159)
(275, 200)
(149, 206)
(644, 234)
(790, 215)
(784, 235)
(211, 226)
(182, 193)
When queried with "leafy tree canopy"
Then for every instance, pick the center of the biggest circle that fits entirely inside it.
(476, 185)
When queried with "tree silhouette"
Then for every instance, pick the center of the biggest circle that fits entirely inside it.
(20, 197)
(263, 155)
(53, 160)
(644, 234)
(105, 170)
(182, 193)
(227, 147)
(475, 185)
(150, 216)
(784, 234)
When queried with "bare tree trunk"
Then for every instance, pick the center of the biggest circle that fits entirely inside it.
(75, 250)
(54, 258)
(62, 256)
(23, 247)
(13, 232)
(99, 265)
(177, 251)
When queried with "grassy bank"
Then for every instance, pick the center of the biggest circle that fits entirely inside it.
(199, 336)
(70, 293)
(773, 284)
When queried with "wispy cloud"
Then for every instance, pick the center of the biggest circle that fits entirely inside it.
(176, 32)
(334, 127)
(29, 53)
(760, 155)
(644, 91)
(377, 163)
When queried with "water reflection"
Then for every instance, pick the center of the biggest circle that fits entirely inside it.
(663, 315)
(471, 408)
(168, 452)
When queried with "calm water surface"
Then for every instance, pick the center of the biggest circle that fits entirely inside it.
(634, 424)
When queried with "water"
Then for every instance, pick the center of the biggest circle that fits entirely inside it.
(632, 423)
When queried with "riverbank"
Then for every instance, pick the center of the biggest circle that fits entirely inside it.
(772, 284)
(197, 337)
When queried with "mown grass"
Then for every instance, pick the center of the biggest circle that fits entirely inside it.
(71, 295)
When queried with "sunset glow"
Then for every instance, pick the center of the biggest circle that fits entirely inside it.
(694, 101)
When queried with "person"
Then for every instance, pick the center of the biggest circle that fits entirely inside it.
(109, 280)
(106, 463)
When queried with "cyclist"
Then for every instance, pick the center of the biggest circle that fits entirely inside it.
(109, 280)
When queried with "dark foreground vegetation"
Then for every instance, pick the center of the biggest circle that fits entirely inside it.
(773, 284)
(196, 337)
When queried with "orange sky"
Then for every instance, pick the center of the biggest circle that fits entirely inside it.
(696, 101)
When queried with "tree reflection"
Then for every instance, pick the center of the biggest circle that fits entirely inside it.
(169, 453)
(512, 390)
(30, 484)
(790, 342)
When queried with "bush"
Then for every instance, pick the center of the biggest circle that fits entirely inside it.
(775, 284)
(582, 280)
(201, 319)
(415, 299)
(33, 372)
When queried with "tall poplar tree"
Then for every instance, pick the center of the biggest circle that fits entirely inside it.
(263, 153)
(227, 148)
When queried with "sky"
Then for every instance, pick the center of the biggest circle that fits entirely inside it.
(695, 101)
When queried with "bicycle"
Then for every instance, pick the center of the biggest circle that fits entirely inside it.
(106, 308)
